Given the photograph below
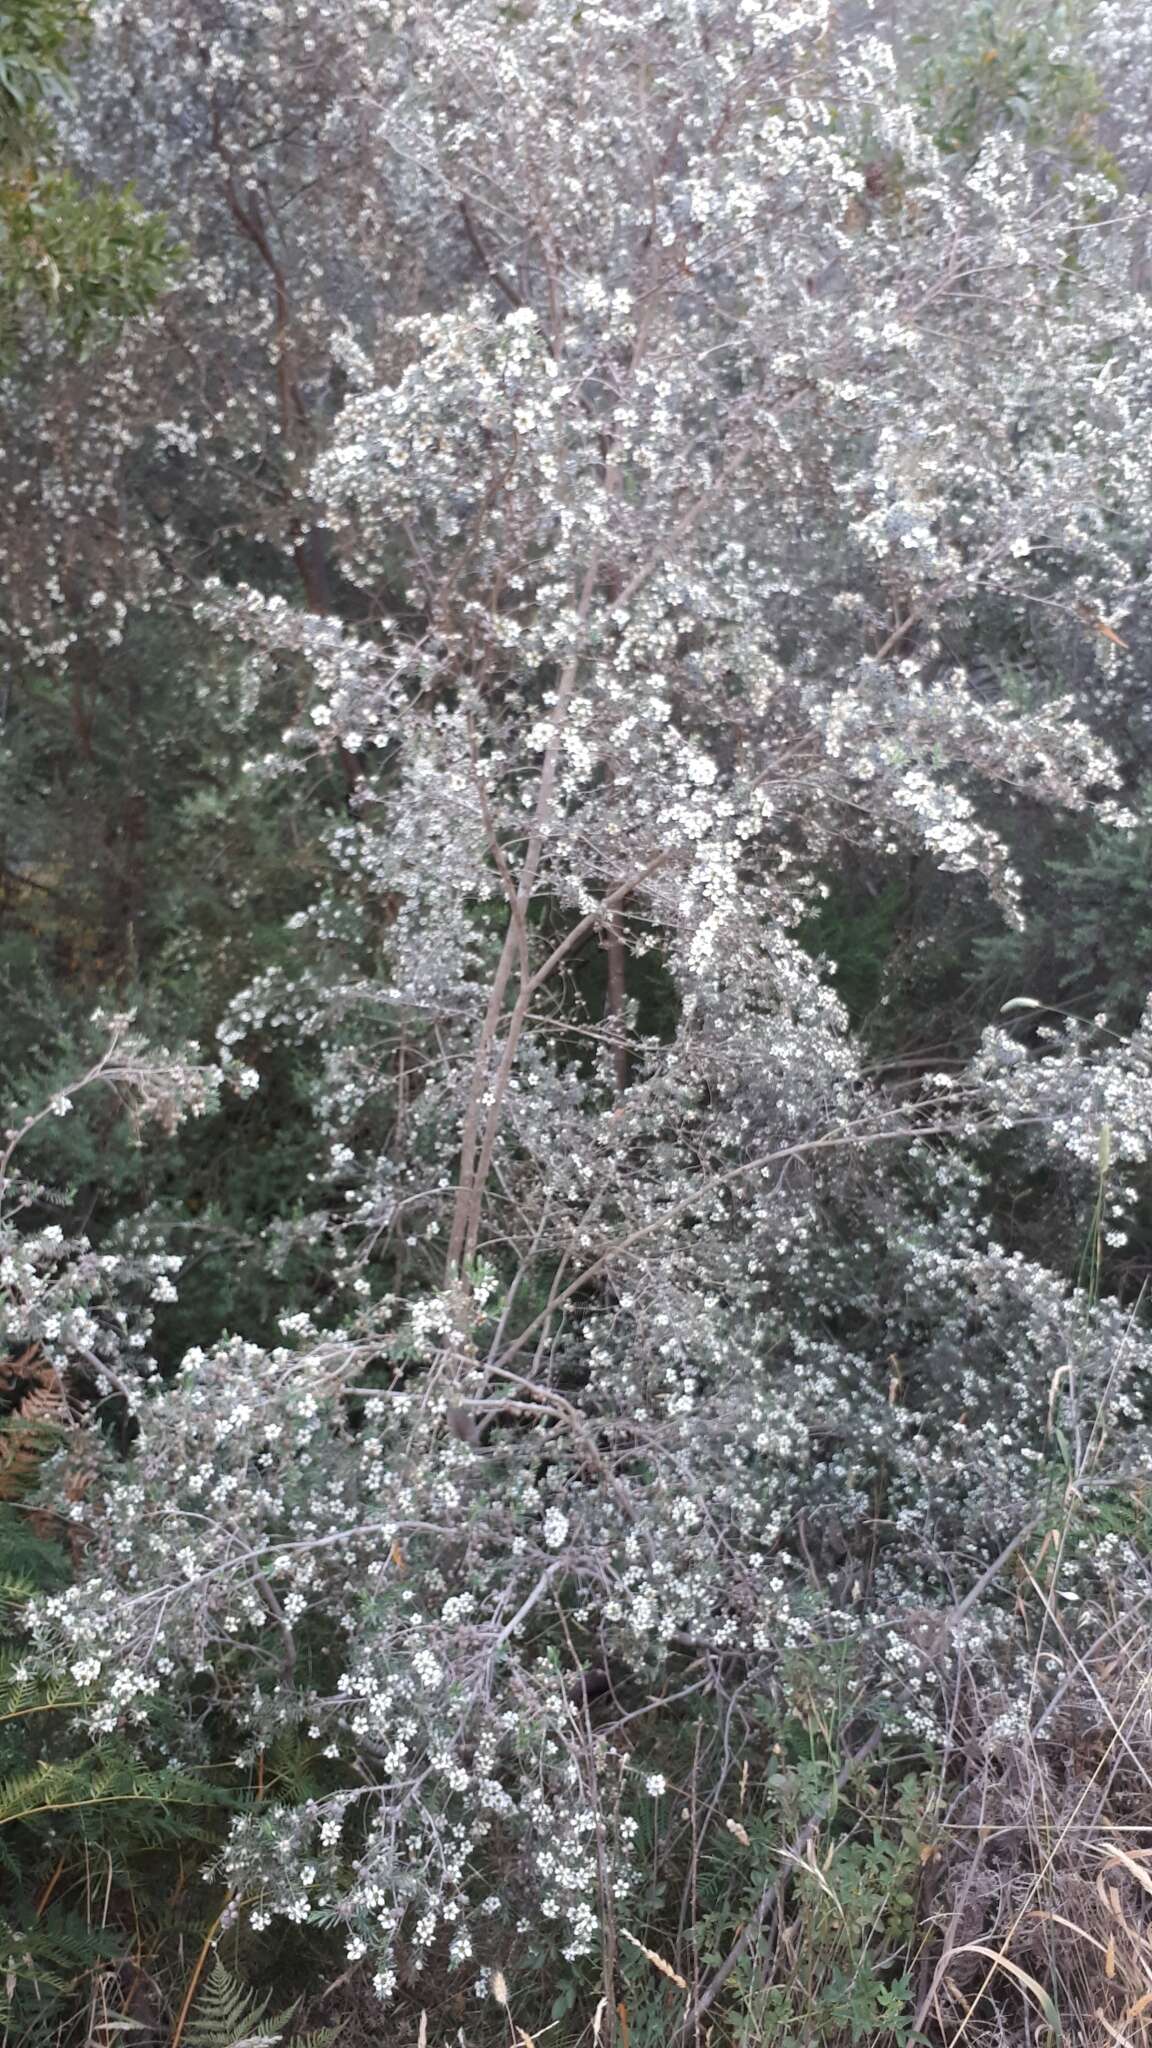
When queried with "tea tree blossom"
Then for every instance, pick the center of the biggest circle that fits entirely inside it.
(698, 409)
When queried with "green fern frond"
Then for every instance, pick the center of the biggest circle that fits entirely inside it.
(229, 2015)
(43, 1961)
(107, 1780)
(40, 1790)
(33, 1563)
(22, 1694)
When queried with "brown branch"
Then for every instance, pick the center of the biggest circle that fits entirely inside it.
(466, 1215)
(473, 233)
(617, 959)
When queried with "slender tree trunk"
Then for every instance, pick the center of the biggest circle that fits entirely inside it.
(617, 956)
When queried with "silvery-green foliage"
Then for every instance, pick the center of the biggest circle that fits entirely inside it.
(78, 1307)
(725, 403)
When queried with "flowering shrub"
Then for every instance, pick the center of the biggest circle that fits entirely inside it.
(662, 1342)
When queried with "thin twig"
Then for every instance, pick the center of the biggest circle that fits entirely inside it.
(772, 1895)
